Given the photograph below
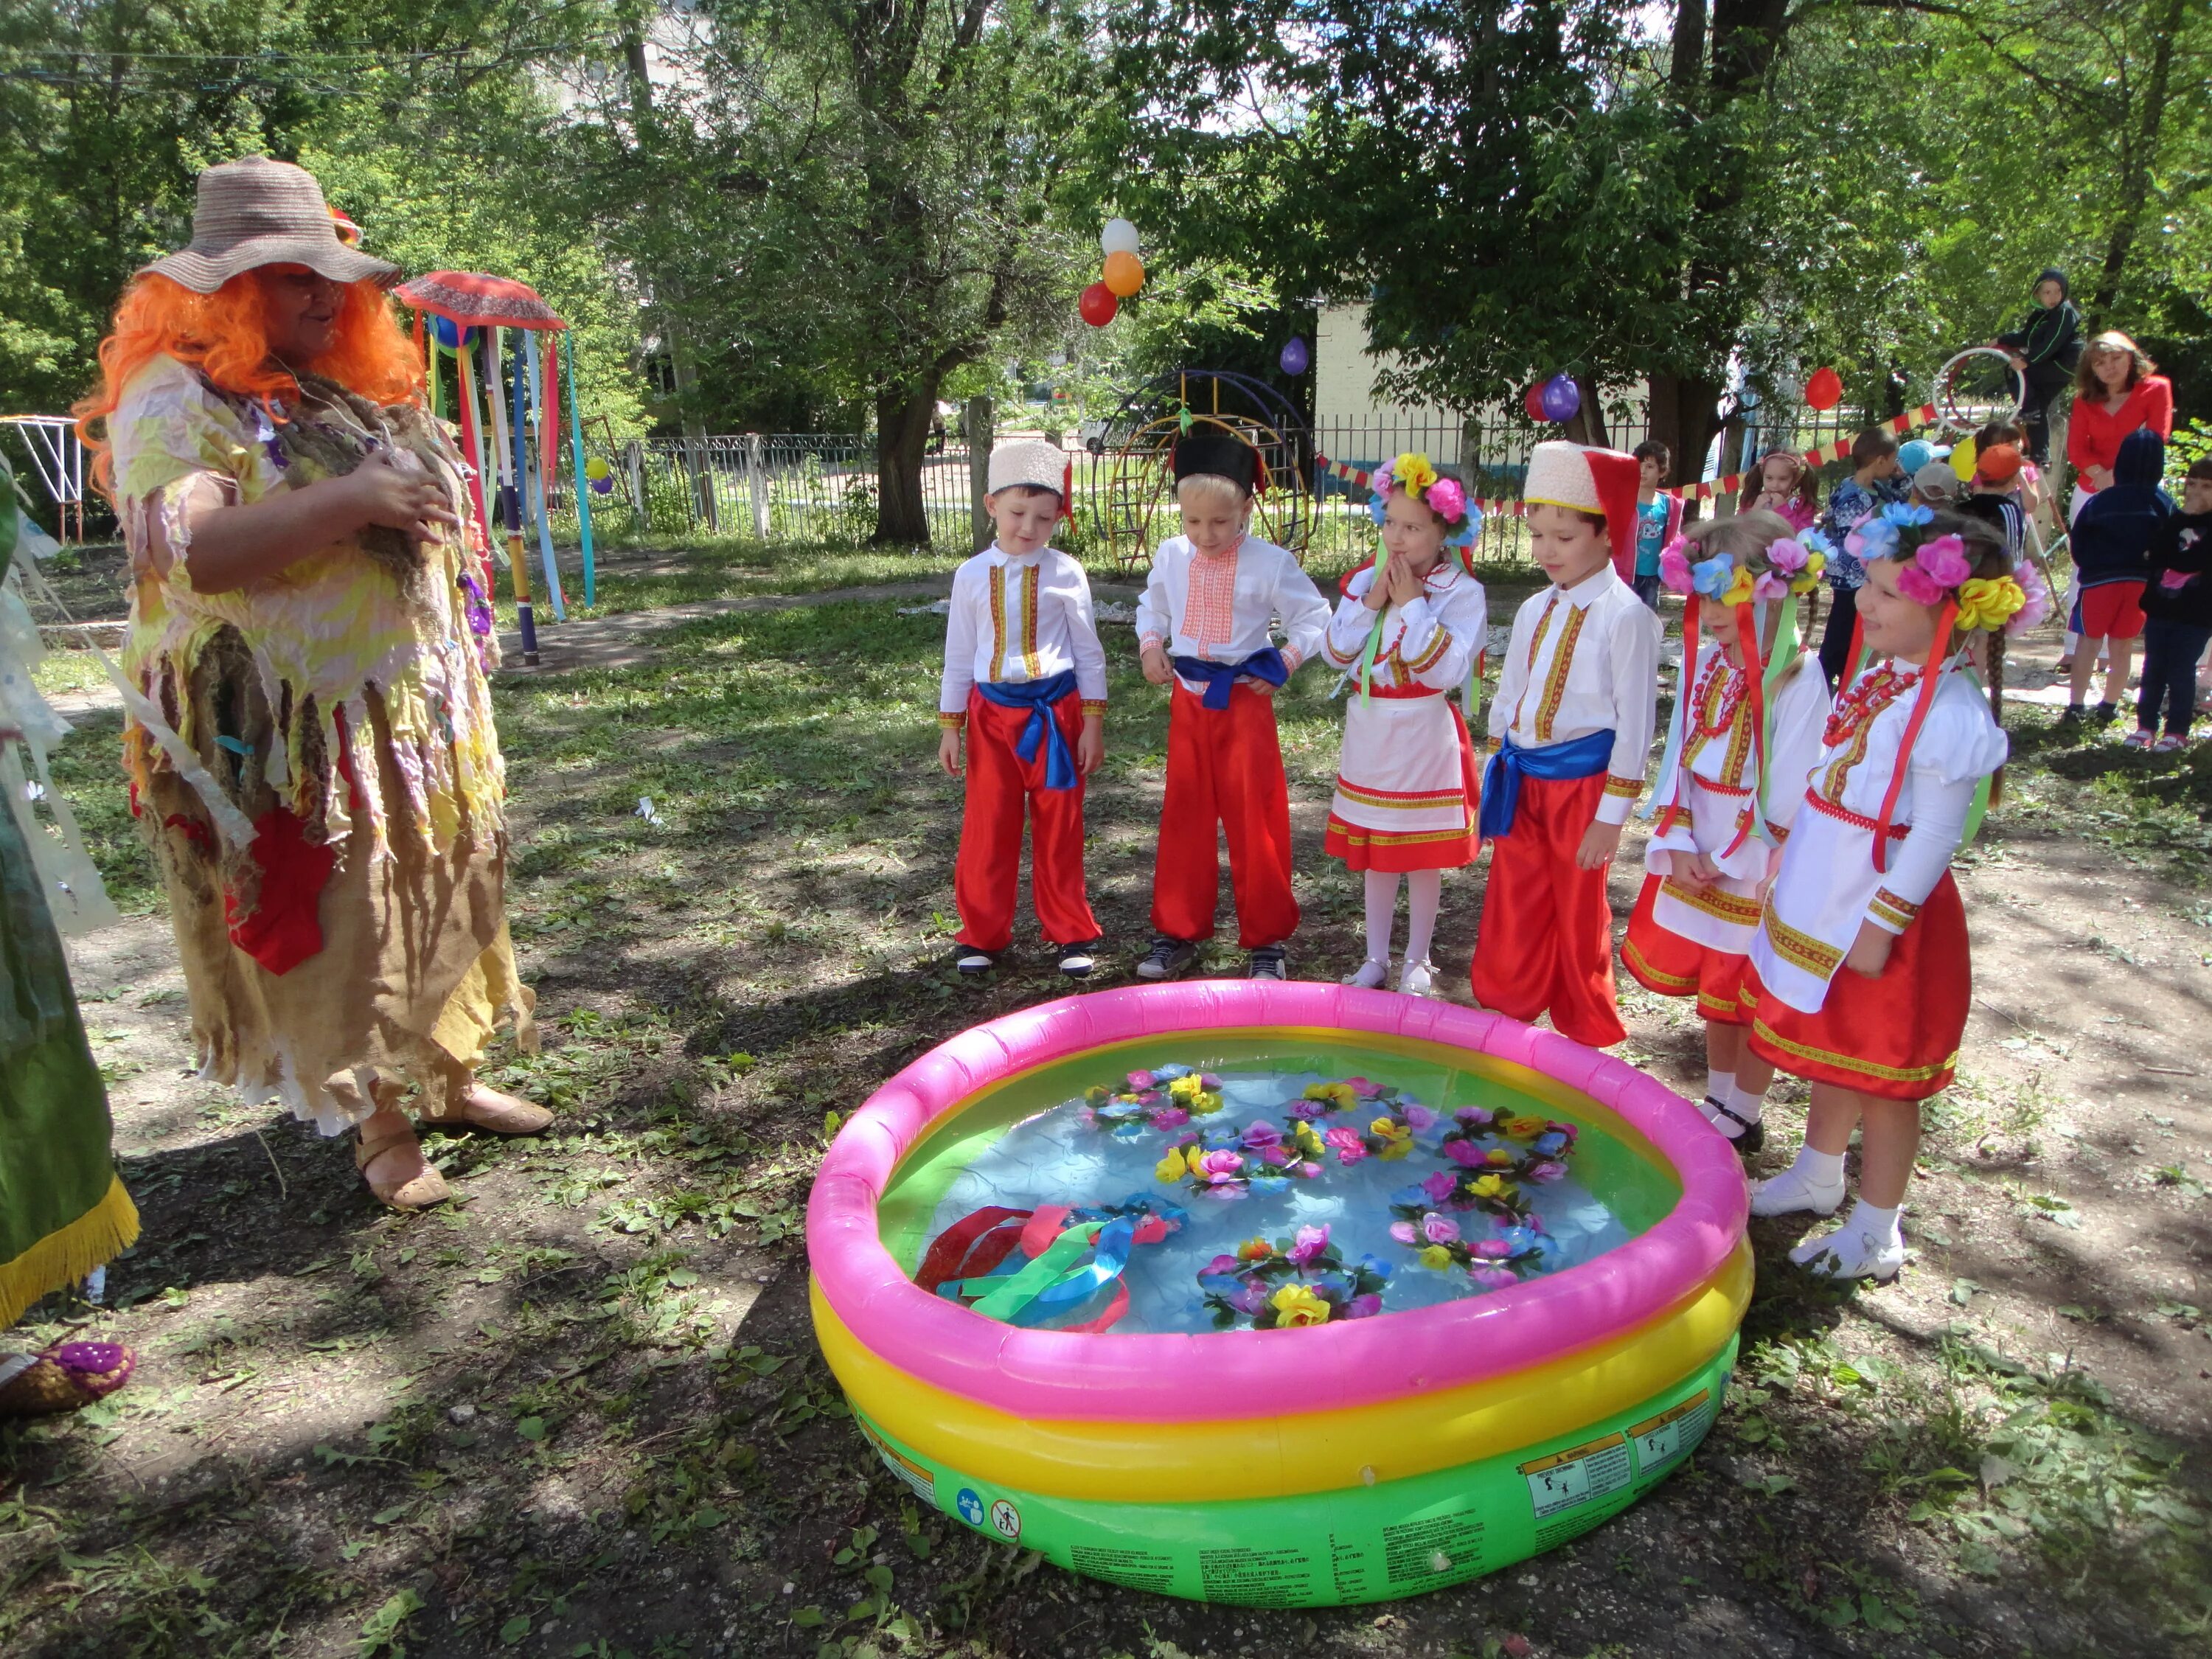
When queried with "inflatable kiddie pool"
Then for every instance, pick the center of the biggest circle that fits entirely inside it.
(1349, 1460)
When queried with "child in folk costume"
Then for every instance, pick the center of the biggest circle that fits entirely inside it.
(1205, 628)
(1025, 676)
(1755, 714)
(1410, 630)
(1860, 979)
(1577, 701)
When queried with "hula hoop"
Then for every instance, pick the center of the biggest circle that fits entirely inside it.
(1545, 1406)
(1956, 410)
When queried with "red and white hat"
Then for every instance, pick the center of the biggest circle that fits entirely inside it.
(1587, 480)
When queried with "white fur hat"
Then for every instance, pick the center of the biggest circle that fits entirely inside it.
(1032, 463)
(1602, 481)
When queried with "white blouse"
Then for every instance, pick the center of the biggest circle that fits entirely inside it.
(1432, 641)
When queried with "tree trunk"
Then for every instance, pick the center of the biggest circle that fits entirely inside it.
(1684, 417)
(902, 419)
(2137, 163)
(980, 426)
(1587, 424)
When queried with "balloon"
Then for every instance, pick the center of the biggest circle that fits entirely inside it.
(1295, 358)
(1120, 236)
(1962, 461)
(1534, 403)
(1098, 305)
(1125, 274)
(597, 468)
(450, 334)
(603, 485)
(1824, 390)
(1562, 397)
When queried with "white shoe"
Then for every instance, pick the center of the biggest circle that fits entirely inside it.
(1851, 1253)
(1792, 1191)
(1418, 979)
(1371, 976)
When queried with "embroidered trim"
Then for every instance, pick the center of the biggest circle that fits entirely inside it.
(1888, 907)
(1628, 789)
(1356, 835)
(998, 622)
(1408, 800)
(1711, 1006)
(1847, 1063)
(1093, 705)
(1435, 653)
(1714, 902)
(1800, 949)
(1555, 683)
(951, 722)
(1210, 597)
(1904, 907)
(1029, 592)
(1857, 820)
(1657, 979)
(1535, 645)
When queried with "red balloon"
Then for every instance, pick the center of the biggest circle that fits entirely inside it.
(1824, 390)
(1098, 305)
(1534, 403)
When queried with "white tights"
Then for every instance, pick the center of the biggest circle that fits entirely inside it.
(1424, 891)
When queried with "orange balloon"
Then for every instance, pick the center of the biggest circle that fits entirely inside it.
(1124, 273)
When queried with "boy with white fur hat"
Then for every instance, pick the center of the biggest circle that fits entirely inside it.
(1573, 718)
(1025, 679)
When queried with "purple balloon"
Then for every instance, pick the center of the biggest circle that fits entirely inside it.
(1562, 397)
(1295, 358)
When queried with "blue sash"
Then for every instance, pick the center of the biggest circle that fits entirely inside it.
(1220, 676)
(1501, 780)
(1039, 697)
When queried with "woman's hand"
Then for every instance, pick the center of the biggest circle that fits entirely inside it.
(1869, 951)
(377, 492)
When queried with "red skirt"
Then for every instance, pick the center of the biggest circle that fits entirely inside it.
(1895, 1036)
(1663, 961)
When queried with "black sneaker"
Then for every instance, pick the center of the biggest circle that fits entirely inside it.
(974, 964)
(2107, 713)
(2074, 714)
(1076, 961)
(1269, 962)
(1751, 1132)
(1167, 958)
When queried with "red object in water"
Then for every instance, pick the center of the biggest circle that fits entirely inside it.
(1824, 390)
(470, 297)
(1098, 305)
(1534, 403)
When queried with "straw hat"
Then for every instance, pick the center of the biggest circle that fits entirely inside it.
(259, 212)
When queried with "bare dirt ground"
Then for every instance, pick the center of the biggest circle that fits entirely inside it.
(579, 1411)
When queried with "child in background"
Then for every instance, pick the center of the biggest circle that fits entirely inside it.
(1992, 496)
(2177, 605)
(2110, 546)
(1406, 786)
(1657, 518)
(2026, 486)
(1875, 482)
(1860, 980)
(1577, 700)
(1744, 741)
(1935, 485)
(1203, 629)
(1025, 677)
(1784, 484)
(2044, 348)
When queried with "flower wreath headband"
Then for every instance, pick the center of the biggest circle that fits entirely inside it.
(1412, 473)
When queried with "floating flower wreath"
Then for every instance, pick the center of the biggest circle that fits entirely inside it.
(1500, 1257)
(1445, 497)
(1791, 566)
(1226, 1162)
(1165, 1098)
(1935, 567)
(1290, 1282)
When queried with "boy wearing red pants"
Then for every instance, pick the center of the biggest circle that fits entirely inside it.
(1025, 676)
(1205, 627)
(1573, 720)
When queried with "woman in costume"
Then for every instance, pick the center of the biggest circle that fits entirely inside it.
(311, 749)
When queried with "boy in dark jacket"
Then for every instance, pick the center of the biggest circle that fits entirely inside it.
(2112, 561)
(2177, 605)
(2044, 348)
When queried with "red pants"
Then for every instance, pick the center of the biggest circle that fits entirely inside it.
(1896, 1034)
(1546, 945)
(1226, 768)
(1665, 962)
(988, 868)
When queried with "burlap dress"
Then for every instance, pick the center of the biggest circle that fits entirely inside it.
(313, 760)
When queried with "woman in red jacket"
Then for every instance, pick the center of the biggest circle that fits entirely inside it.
(2115, 391)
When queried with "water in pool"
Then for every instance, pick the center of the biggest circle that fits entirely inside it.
(1297, 1196)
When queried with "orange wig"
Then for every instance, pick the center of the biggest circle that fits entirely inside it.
(225, 335)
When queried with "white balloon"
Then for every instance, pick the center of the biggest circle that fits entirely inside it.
(1120, 236)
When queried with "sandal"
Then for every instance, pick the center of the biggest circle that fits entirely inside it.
(417, 1191)
(480, 1106)
(65, 1378)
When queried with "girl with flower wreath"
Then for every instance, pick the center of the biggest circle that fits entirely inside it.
(1730, 786)
(1409, 629)
(1860, 979)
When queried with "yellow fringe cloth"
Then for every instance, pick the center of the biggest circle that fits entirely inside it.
(67, 1255)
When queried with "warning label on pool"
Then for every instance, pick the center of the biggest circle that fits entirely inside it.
(923, 1482)
(1665, 1437)
(1579, 1475)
